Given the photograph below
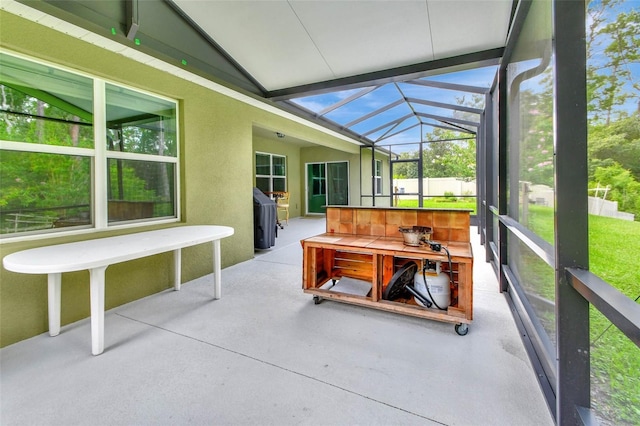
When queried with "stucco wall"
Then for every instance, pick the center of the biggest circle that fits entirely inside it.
(292, 152)
(217, 180)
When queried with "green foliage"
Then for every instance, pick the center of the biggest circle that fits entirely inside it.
(44, 124)
(124, 184)
(444, 156)
(537, 130)
(449, 196)
(35, 181)
(623, 187)
(617, 142)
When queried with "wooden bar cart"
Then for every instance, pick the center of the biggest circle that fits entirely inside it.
(362, 251)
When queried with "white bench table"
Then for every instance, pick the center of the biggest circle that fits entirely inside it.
(97, 254)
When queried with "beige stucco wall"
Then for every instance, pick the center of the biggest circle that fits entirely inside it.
(217, 149)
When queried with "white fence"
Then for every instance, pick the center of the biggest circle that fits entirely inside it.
(601, 207)
(436, 186)
(544, 195)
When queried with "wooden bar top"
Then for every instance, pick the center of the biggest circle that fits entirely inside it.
(399, 208)
(447, 224)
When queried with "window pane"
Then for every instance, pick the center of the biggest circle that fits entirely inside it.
(263, 164)
(530, 132)
(537, 279)
(615, 373)
(140, 190)
(318, 179)
(614, 245)
(263, 184)
(338, 181)
(378, 177)
(530, 180)
(279, 166)
(44, 105)
(448, 158)
(43, 191)
(378, 184)
(279, 184)
(140, 123)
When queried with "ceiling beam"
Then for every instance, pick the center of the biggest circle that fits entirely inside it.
(447, 106)
(398, 74)
(303, 112)
(345, 101)
(381, 138)
(448, 119)
(455, 129)
(374, 113)
(450, 86)
(395, 122)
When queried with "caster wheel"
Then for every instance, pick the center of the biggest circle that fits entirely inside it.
(316, 300)
(462, 329)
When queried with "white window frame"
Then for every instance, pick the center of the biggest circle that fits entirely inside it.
(377, 177)
(100, 156)
(271, 176)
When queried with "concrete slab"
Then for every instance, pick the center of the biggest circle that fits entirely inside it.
(266, 354)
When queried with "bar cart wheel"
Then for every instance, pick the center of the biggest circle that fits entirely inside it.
(462, 329)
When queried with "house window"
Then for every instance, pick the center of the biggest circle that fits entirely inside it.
(377, 177)
(271, 172)
(78, 152)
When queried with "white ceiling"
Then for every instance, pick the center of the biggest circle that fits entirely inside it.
(287, 43)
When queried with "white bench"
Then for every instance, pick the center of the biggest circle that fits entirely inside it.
(97, 254)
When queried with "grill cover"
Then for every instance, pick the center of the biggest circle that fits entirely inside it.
(264, 220)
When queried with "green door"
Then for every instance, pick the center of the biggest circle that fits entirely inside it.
(327, 184)
(316, 187)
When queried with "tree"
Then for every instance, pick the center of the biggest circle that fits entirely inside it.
(447, 156)
(623, 188)
(613, 46)
(617, 142)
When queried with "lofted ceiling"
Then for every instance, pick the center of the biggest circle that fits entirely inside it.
(366, 69)
(360, 66)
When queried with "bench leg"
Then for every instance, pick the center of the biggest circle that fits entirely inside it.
(177, 265)
(54, 292)
(217, 279)
(97, 309)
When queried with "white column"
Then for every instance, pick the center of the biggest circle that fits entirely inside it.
(217, 286)
(177, 267)
(97, 309)
(54, 293)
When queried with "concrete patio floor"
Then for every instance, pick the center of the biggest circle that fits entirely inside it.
(265, 354)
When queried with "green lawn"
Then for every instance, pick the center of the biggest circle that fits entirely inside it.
(614, 249)
(441, 203)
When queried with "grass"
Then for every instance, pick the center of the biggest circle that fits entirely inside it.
(441, 203)
(614, 247)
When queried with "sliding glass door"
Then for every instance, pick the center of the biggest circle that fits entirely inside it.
(327, 184)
